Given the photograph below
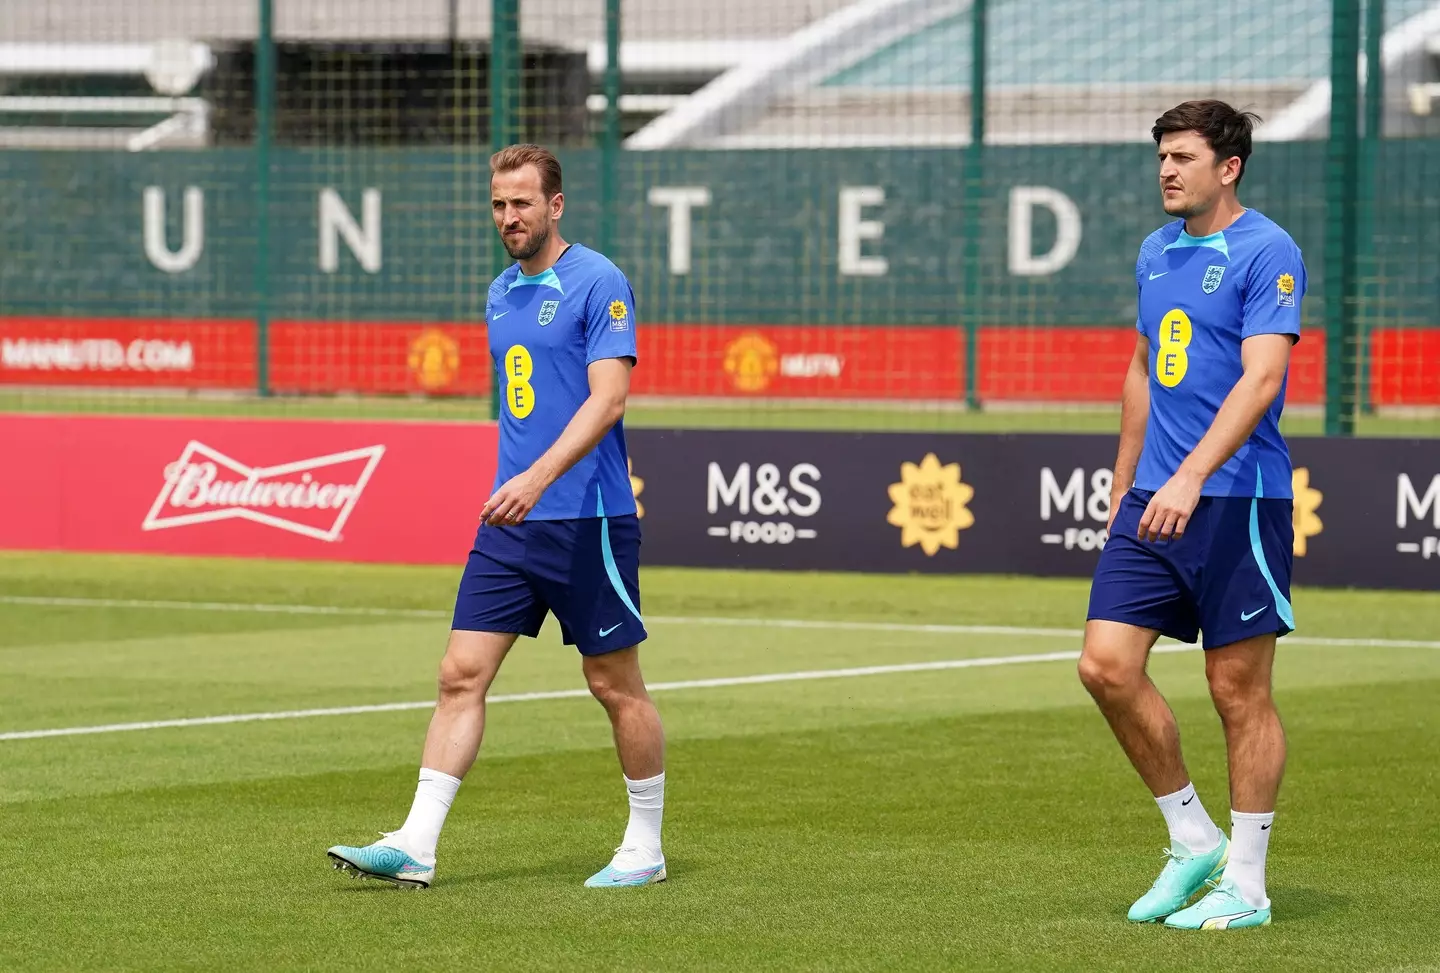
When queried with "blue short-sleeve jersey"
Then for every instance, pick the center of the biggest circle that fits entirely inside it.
(1200, 297)
(544, 333)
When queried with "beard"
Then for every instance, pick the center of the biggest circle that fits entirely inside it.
(1179, 207)
(534, 243)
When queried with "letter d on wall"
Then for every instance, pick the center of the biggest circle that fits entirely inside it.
(1023, 200)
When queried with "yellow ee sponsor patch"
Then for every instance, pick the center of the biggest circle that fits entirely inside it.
(1171, 360)
(519, 393)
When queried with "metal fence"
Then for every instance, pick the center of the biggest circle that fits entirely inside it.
(909, 214)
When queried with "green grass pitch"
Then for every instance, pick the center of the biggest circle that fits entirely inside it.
(674, 413)
(969, 818)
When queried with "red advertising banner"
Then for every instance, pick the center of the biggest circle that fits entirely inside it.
(127, 352)
(893, 362)
(801, 361)
(399, 492)
(377, 357)
(1405, 366)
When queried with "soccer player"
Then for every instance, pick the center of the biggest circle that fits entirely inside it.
(559, 531)
(1200, 513)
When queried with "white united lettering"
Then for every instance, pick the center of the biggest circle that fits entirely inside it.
(365, 237)
(198, 490)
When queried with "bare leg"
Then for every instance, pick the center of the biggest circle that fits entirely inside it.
(471, 661)
(615, 681)
(451, 745)
(1239, 677)
(1112, 667)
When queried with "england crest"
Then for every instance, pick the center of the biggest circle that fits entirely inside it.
(547, 311)
(1213, 273)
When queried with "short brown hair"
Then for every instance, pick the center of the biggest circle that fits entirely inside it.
(1224, 129)
(514, 157)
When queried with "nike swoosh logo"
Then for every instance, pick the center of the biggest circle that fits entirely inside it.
(1185, 803)
(1246, 616)
(1161, 274)
(631, 876)
(606, 631)
(496, 317)
(1264, 827)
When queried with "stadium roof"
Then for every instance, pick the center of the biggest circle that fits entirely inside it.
(887, 72)
(571, 23)
(802, 73)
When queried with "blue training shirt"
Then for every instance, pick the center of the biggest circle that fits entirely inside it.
(544, 332)
(1200, 297)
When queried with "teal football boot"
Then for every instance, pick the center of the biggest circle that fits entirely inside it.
(384, 862)
(1222, 908)
(1184, 874)
(627, 868)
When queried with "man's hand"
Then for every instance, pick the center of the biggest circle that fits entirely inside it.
(1170, 508)
(512, 503)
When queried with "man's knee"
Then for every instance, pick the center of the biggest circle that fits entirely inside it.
(614, 678)
(1238, 696)
(459, 676)
(471, 661)
(1113, 660)
(1106, 675)
(1239, 678)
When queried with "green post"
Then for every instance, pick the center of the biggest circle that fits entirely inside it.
(974, 203)
(1374, 130)
(264, 127)
(505, 67)
(1341, 189)
(610, 134)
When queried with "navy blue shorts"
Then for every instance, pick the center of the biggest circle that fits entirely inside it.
(586, 571)
(1227, 576)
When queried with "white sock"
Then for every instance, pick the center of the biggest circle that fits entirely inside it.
(1189, 825)
(1249, 840)
(433, 796)
(647, 806)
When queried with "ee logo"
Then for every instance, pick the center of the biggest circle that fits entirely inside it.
(1171, 361)
(519, 394)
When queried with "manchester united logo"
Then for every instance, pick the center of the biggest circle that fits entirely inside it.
(751, 362)
(434, 359)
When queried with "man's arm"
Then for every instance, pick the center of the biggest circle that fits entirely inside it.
(1265, 358)
(1134, 414)
(605, 406)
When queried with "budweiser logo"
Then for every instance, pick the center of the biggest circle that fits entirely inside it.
(311, 497)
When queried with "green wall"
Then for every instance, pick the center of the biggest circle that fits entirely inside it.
(763, 251)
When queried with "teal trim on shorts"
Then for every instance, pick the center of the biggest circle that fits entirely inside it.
(612, 571)
(1282, 604)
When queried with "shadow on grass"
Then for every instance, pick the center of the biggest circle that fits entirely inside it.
(1297, 904)
(573, 870)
